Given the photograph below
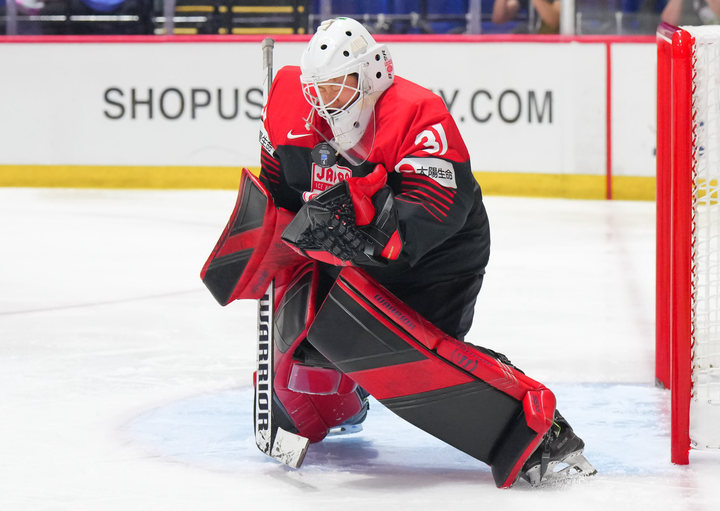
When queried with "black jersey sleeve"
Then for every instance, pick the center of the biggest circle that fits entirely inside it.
(428, 212)
(273, 175)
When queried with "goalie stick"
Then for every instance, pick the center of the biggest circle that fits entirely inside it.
(282, 445)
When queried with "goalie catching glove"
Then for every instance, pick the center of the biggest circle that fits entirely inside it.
(352, 223)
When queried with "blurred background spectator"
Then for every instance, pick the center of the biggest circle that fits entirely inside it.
(692, 12)
(548, 21)
(53, 17)
(622, 17)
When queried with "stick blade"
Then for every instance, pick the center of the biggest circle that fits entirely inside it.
(285, 447)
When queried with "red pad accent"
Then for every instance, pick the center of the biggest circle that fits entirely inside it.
(512, 477)
(323, 257)
(410, 382)
(538, 401)
(410, 323)
(270, 255)
(409, 379)
(393, 247)
(539, 407)
(485, 367)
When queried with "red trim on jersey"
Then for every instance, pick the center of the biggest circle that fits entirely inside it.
(439, 204)
(445, 204)
(271, 178)
(431, 184)
(269, 163)
(405, 199)
(269, 159)
(417, 194)
(269, 167)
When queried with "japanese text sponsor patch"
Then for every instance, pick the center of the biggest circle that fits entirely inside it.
(265, 141)
(442, 171)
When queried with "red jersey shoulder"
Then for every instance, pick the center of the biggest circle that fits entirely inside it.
(414, 120)
(287, 109)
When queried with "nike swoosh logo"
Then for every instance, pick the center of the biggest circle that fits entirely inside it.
(290, 135)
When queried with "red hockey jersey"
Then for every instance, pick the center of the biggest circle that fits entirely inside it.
(443, 223)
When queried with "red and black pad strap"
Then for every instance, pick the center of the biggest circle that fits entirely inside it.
(249, 252)
(397, 356)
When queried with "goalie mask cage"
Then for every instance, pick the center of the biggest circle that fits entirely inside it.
(688, 234)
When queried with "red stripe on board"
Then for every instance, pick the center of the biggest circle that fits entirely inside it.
(145, 39)
(514, 38)
(608, 122)
(413, 38)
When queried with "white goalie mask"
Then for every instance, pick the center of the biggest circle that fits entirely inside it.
(341, 52)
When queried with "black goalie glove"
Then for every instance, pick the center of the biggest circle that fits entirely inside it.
(352, 223)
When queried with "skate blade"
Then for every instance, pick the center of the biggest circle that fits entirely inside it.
(345, 430)
(577, 466)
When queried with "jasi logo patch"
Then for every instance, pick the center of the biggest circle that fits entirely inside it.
(325, 177)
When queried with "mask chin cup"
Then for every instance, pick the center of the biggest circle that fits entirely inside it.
(355, 153)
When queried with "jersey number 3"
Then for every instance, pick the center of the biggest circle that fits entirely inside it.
(432, 145)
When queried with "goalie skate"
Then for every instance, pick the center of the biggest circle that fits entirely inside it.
(559, 456)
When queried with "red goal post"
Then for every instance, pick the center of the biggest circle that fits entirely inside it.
(688, 234)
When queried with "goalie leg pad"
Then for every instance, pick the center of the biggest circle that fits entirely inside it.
(314, 396)
(453, 391)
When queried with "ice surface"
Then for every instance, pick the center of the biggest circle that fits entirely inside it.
(124, 386)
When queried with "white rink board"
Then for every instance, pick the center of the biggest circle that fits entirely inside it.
(490, 86)
(634, 105)
(522, 107)
(55, 109)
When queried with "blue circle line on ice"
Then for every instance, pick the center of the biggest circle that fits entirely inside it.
(625, 427)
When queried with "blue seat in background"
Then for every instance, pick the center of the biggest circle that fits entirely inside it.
(103, 6)
(517, 26)
(399, 12)
(432, 13)
(110, 17)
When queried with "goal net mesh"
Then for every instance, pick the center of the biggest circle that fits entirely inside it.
(705, 398)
